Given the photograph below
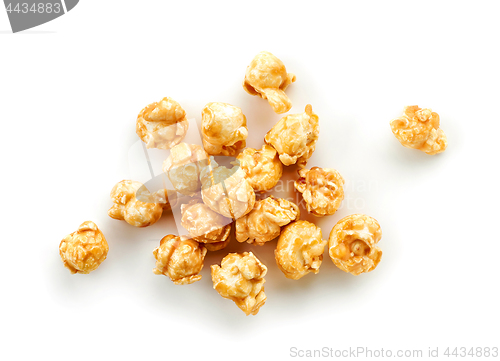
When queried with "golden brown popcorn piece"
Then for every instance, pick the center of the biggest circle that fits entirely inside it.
(227, 191)
(262, 167)
(240, 278)
(183, 167)
(264, 222)
(295, 137)
(322, 190)
(84, 250)
(300, 249)
(205, 225)
(419, 129)
(136, 205)
(223, 128)
(353, 244)
(267, 78)
(179, 258)
(167, 198)
(162, 124)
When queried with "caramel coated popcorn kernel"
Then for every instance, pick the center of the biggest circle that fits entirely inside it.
(267, 78)
(84, 250)
(419, 129)
(322, 190)
(353, 244)
(223, 128)
(179, 258)
(162, 125)
(240, 278)
(262, 167)
(300, 249)
(227, 191)
(205, 225)
(295, 137)
(134, 204)
(264, 222)
(183, 168)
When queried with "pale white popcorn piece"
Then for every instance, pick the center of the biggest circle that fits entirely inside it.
(295, 137)
(223, 129)
(162, 124)
(300, 249)
(179, 258)
(267, 78)
(240, 278)
(264, 222)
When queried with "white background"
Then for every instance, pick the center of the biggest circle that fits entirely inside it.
(70, 91)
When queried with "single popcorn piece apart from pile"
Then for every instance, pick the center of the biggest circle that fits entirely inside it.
(300, 249)
(205, 225)
(223, 129)
(322, 190)
(419, 129)
(264, 222)
(267, 78)
(262, 167)
(134, 204)
(226, 190)
(240, 278)
(295, 137)
(162, 125)
(84, 250)
(353, 244)
(179, 258)
(183, 168)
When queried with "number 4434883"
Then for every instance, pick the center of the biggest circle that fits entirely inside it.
(471, 352)
(40, 8)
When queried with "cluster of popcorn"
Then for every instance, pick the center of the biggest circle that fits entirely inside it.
(221, 198)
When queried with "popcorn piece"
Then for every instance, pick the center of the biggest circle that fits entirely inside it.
(183, 168)
(264, 222)
(136, 205)
(179, 258)
(205, 225)
(300, 249)
(166, 198)
(353, 244)
(262, 167)
(223, 128)
(84, 250)
(419, 129)
(295, 137)
(162, 125)
(322, 190)
(227, 191)
(240, 278)
(267, 78)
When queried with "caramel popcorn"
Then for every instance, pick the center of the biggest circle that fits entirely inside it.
(267, 78)
(262, 167)
(227, 191)
(300, 249)
(136, 205)
(167, 198)
(419, 129)
(84, 250)
(322, 190)
(240, 278)
(183, 167)
(353, 244)
(179, 258)
(223, 129)
(162, 125)
(205, 225)
(264, 222)
(295, 137)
